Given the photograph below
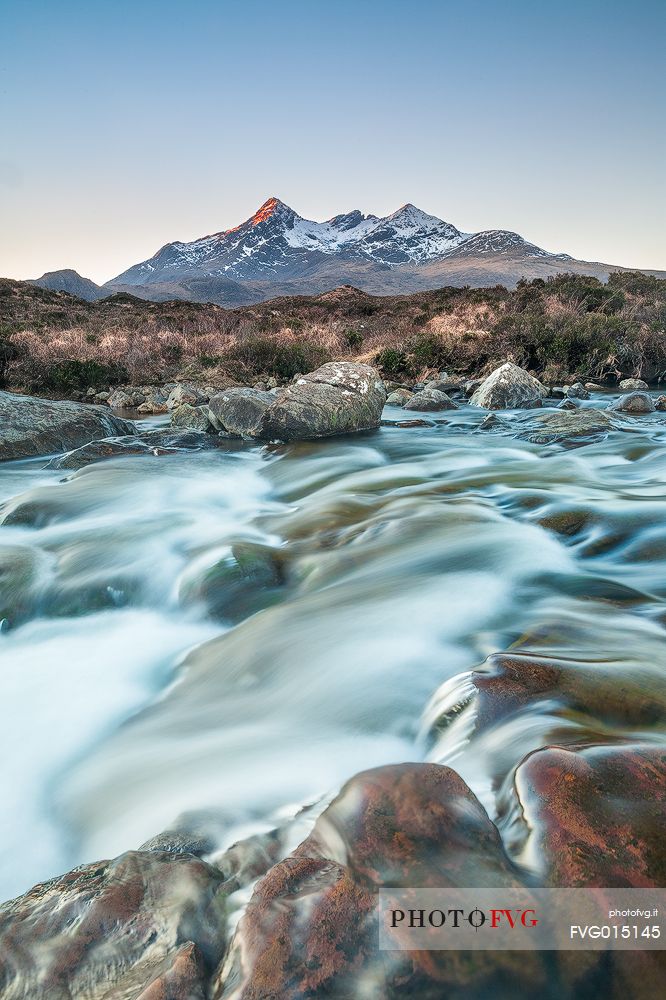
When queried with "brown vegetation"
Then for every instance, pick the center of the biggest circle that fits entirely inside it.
(563, 326)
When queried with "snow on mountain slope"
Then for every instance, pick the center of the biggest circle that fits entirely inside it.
(278, 243)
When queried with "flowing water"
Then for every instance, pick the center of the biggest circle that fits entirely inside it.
(223, 638)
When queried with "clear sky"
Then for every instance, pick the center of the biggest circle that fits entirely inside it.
(126, 125)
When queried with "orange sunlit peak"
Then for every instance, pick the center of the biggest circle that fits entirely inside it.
(266, 210)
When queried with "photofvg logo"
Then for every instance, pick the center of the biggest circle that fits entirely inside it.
(522, 919)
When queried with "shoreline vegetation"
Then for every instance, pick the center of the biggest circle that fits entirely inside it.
(566, 328)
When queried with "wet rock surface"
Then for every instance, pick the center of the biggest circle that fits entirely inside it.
(338, 398)
(634, 402)
(145, 921)
(30, 426)
(157, 442)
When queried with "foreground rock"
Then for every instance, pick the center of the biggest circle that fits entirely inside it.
(310, 928)
(30, 426)
(158, 442)
(146, 925)
(596, 814)
(634, 402)
(430, 400)
(238, 411)
(338, 398)
(509, 388)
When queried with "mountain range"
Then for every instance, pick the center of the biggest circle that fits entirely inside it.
(278, 252)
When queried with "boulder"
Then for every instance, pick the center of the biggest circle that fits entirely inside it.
(114, 929)
(632, 384)
(660, 403)
(399, 397)
(185, 392)
(238, 411)
(634, 402)
(430, 400)
(445, 384)
(339, 398)
(120, 399)
(158, 442)
(576, 391)
(567, 404)
(310, 928)
(595, 814)
(196, 418)
(30, 426)
(508, 388)
(594, 387)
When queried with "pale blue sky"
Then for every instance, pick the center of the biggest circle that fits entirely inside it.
(127, 125)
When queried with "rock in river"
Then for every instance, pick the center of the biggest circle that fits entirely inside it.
(509, 388)
(157, 442)
(564, 425)
(430, 400)
(338, 398)
(143, 925)
(631, 384)
(634, 402)
(30, 426)
(238, 411)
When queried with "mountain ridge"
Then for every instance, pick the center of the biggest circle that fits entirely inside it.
(278, 252)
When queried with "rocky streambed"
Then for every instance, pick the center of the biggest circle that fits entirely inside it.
(245, 685)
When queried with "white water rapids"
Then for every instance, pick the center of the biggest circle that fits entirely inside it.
(144, 676)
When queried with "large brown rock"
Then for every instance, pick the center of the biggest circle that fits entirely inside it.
(129, 928)
(310, 928)
(338, 398)
(596, 814)
(31, 426)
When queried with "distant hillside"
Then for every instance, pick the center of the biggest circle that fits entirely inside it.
(70, 281)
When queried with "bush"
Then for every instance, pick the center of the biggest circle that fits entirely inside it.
(391, 361)
(273, 356)
(71, 376)
(353, 339)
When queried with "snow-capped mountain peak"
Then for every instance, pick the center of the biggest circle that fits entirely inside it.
(277, 242)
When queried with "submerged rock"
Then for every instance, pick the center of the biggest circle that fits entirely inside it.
(562, 425)
(634, 402)
(338, 398)
(114, 929)
(508, 388)
(238, 411)
(30, 426)
(430, 400)
(158, 442)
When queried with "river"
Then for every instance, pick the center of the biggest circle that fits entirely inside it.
(221, 639)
